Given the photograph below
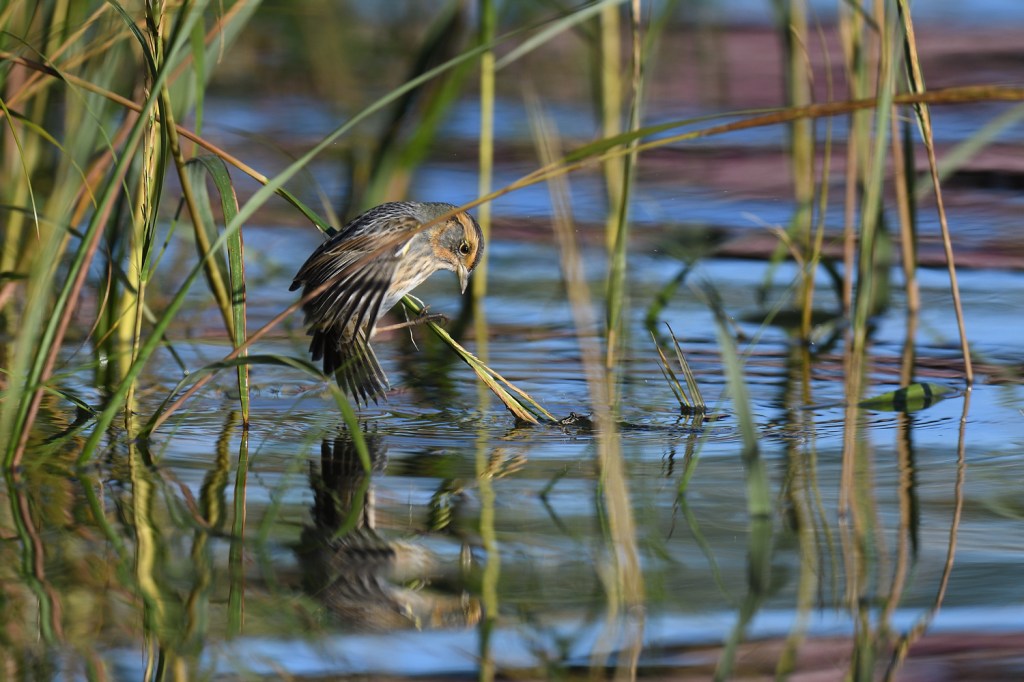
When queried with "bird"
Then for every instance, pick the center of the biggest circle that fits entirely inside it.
(357, 275)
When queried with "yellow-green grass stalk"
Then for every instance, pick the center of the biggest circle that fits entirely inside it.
(619, 171)
(485, 143)
(818, 237)
(609, 52)
(623, 578)
(618, 222)
(129, 301)
(233, 268)
(794, 34)
(925, 122)
(871, 206)
(853, 504)
(852, 32)
(904, 180)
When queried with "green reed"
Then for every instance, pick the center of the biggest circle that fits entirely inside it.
(619, 171)
(488, 30)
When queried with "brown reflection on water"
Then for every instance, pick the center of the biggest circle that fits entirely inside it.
(366, 580)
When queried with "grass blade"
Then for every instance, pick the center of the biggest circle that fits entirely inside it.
(234, 268)
(925, 120)
(527, 409)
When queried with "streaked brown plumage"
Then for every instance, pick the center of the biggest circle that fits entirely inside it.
(377, 259)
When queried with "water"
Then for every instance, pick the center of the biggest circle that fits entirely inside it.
(218, 552)
(401, 593)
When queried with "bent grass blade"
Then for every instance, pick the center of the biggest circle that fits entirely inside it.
(527, 409)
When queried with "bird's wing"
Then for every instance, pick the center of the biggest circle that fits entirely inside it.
(354, 269)
(360, 267)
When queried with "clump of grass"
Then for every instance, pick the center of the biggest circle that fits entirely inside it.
(691, 402)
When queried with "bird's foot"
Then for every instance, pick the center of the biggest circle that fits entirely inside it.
(418, 320)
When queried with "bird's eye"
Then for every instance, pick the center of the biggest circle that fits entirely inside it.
(464, 248)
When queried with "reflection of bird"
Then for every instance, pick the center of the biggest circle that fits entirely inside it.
(367, 268)
(371, 581)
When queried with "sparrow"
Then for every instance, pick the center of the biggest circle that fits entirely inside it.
(361, 272)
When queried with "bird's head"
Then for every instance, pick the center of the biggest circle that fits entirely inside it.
(458, 244)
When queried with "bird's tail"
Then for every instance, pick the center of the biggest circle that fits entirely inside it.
(353, 364)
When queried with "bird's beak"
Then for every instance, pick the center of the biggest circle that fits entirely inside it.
(463, 277)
